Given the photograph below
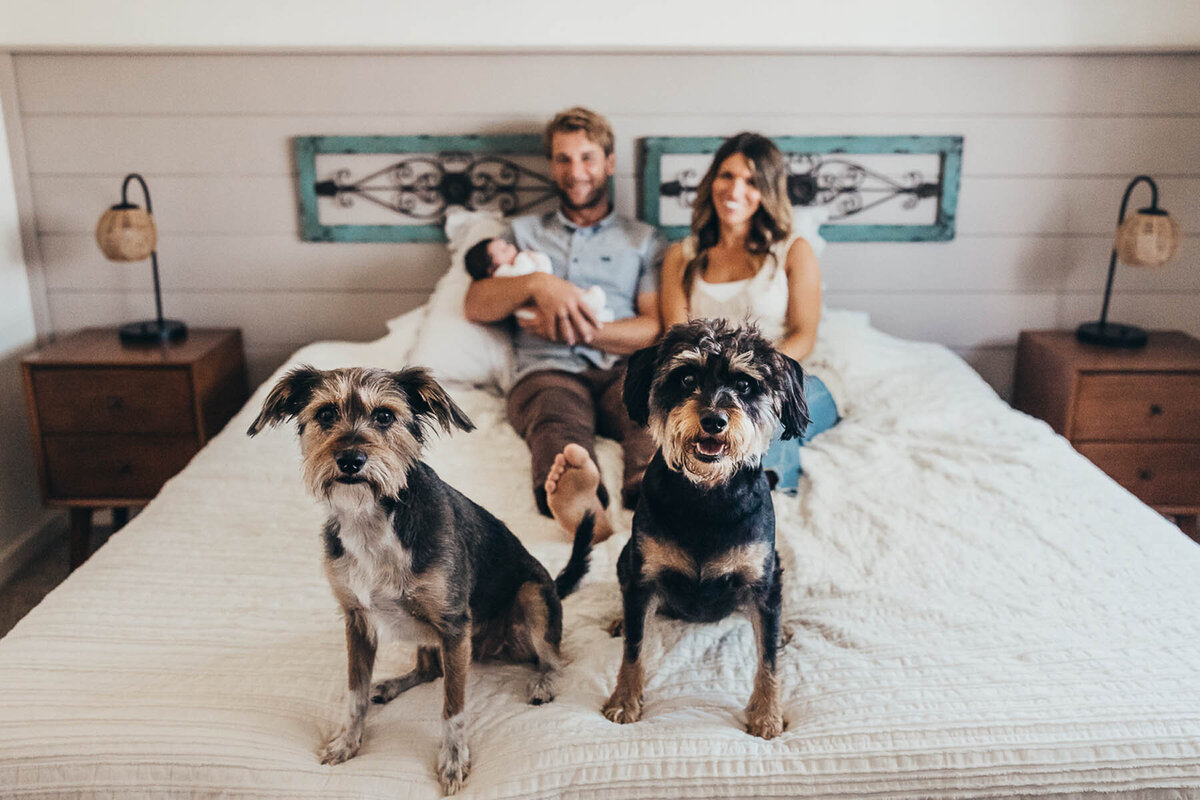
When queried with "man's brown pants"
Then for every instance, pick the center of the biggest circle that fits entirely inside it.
(552, 408)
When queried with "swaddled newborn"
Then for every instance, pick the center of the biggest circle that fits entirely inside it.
(498, 258)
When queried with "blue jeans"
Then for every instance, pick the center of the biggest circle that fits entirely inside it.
(783, 458)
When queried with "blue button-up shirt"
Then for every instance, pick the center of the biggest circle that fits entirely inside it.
(622, 256)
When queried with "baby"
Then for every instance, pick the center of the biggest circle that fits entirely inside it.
(498, 258)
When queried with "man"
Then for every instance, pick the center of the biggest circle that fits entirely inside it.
(570, 369)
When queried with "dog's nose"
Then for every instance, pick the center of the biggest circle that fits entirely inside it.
(351, 461)
(714, 422)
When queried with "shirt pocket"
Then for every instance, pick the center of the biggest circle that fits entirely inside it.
(618, 274)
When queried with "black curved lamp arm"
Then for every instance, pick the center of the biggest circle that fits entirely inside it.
(1112, 261)
(153, 253)
(145, 190)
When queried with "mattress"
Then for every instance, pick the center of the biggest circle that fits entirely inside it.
(977, 612)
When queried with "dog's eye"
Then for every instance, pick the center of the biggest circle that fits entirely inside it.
(687, 381)
(326, 415)
(383, 417)
(742, 386)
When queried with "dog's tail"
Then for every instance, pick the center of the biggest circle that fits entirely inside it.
(577, 565)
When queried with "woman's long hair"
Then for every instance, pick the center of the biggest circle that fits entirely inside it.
(771, 223)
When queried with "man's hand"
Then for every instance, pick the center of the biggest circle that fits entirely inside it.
(563, 315)
(533, 320)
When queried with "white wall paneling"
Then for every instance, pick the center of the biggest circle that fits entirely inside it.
(254, 204)
(24, 523)
(1050, 142)
(508, 86)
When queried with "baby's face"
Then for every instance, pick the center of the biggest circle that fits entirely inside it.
(501, 253)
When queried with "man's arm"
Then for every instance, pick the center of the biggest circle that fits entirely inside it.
(624, 336)
(563, 314)
(494, 299)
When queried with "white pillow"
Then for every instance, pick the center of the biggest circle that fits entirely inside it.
(807, 222)
(449, 344)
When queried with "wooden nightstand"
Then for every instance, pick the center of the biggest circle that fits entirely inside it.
(111, 422)
(1134, 413)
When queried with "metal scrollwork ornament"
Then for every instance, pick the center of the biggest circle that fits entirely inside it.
(423, 187)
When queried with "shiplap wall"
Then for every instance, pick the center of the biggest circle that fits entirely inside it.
(1050, 143)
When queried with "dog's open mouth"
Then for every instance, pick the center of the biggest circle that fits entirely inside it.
(709, 448)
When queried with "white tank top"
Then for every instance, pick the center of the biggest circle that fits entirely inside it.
(762, 299)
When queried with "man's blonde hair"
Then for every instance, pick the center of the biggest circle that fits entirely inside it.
(594, 125)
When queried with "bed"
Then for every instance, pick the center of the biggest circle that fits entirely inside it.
(977, 611)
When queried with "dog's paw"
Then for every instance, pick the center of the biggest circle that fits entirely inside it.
(343, 746)
(764, 725)
(616, 628)
(454, 765)
(386, 691)
(622, 710)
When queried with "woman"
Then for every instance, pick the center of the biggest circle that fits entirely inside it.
(743, 263)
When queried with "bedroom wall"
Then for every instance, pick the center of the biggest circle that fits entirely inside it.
(1050, 142)
(22, 518)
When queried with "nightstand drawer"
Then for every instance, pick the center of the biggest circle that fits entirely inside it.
(114, 401)
(1138, 406)
(123, 467)
(1159, 474)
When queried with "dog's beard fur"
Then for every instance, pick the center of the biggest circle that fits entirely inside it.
(384, 475)
(678, 431)
(390, 453)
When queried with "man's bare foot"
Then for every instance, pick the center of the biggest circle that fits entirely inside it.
(571, 491)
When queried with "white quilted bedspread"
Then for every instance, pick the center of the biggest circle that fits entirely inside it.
(977, 610)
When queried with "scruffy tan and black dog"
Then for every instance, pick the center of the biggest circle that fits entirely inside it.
(409, 556)
(703, 543)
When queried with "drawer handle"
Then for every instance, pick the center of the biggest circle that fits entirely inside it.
(125, 469)
(115, 403)
(1145, 474)
(1155, 410)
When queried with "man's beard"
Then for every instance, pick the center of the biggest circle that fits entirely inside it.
(597, 197)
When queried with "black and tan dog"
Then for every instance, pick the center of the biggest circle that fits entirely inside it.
(703, 543)
(408, 556)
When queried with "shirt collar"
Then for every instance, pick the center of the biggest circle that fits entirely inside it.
(606, 222)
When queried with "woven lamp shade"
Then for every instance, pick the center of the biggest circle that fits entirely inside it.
(126, 233)
(1149, 238)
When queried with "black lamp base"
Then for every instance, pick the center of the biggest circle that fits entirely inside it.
(1111, 334)
(150, 332)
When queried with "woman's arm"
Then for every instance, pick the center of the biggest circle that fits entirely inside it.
(673, 303)
(804, 301)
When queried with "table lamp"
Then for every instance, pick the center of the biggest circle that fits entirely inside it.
(127, 233)
(1150, 238)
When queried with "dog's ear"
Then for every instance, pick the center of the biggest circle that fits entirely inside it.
(429, 400)
(793, 407)
(639, 376)
(288, 398)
